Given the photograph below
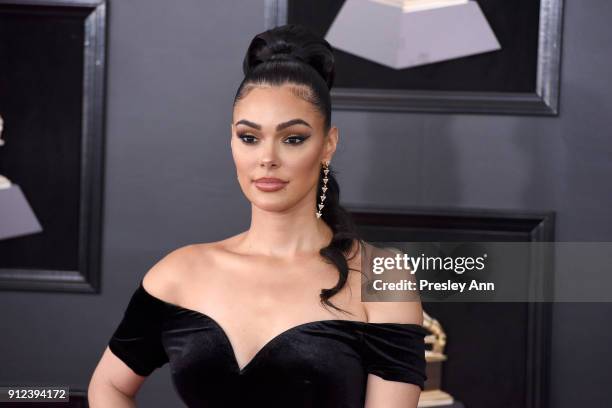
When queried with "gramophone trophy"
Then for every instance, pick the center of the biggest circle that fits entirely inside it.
(432, 395)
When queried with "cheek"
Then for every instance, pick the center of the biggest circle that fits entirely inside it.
(305, 169)
(243, 161)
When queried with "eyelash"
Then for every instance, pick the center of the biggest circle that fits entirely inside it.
(298, 138)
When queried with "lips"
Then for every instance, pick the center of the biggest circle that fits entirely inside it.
(269, 184)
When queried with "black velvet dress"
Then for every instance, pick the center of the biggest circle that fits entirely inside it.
(319, 364)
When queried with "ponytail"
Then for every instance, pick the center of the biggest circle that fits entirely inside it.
(345, 234)
(294, 54)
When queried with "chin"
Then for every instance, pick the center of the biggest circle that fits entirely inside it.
(272, 202)
(271, 205)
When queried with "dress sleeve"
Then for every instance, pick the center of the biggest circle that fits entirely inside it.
(137, 339)
(395, 351)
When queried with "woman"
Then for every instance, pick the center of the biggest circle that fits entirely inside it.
(238, 320)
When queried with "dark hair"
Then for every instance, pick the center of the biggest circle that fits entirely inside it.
(292, 54)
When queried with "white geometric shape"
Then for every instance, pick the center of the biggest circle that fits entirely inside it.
(367, 29)
(385, 34)
(417, 5)
(17, 217)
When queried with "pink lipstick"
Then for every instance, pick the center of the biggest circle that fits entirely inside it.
(269, 184)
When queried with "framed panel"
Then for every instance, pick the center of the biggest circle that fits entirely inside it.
(497, 352)
(521, 78)
(52, 67)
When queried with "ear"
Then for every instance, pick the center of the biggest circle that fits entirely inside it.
(331, 142)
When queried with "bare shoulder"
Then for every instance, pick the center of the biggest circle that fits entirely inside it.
(390, 311)
(395, 312)
(163, 280)
(189, 263)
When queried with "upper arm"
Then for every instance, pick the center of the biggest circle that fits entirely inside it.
(160, 280)
(386, 393)
(112, 372)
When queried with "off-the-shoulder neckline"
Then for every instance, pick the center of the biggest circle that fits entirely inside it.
(283, 333)
(174, 305)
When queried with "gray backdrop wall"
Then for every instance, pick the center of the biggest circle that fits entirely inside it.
(170, 180)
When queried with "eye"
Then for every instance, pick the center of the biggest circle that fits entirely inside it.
(296, 139)
(247, 138)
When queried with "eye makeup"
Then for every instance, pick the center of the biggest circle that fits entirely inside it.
(294, 139)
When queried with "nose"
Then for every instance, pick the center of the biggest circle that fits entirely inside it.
(268, 163)
(269, 157)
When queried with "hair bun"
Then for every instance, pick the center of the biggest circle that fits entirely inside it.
(291, 42)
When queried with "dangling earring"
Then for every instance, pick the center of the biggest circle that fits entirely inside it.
(324, 188)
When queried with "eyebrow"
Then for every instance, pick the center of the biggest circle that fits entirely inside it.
(280, 126)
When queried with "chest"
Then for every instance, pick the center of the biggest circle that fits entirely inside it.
(320, 362)
(252, 304)
(312, 359)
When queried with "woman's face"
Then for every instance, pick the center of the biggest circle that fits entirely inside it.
(278, 135)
